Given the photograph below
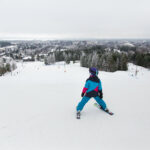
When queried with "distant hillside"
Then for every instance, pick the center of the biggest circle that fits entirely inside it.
(4, 43)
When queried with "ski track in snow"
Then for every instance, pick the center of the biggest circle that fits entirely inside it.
(38, 102)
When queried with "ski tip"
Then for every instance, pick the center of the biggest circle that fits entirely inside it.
(97, 105)
(111, 113)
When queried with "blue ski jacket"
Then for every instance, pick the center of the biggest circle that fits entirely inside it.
(92, 86)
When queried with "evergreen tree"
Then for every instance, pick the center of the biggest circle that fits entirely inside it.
(8, 67)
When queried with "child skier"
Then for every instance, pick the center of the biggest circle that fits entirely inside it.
(93, 88)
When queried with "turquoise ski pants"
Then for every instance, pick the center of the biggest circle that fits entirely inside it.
(86, 99)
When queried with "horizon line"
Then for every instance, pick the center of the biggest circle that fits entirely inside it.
(68, 39)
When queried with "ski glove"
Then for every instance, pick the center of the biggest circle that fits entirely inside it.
(82, 94)
(100, 94)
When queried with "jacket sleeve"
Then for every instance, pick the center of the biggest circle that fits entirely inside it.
(85, 87)
(100, 86)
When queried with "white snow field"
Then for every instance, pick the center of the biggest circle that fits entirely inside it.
(38, 106)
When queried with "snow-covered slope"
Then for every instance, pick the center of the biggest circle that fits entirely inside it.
(37, 109)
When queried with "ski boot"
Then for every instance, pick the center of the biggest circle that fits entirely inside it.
(78, 114)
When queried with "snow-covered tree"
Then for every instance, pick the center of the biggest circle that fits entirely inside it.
(94, 61)
(49, 59)
(7, 64)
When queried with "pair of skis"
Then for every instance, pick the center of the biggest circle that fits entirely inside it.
(107, 111)
(99, 107)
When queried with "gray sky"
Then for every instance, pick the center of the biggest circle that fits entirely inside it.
(59, 19)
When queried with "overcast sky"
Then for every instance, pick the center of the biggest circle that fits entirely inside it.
(62, 19)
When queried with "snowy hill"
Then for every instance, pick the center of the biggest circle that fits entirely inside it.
(37, 109)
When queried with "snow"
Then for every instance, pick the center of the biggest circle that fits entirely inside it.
(116, 50)
(37, 109)
(27, 58)
(128, 44)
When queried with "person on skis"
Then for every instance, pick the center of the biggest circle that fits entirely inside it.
(92, 88)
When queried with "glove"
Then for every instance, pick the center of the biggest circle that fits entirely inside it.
(82, 94)
(100, 94)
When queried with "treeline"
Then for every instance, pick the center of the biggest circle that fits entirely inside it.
(4, 43)
(101, 58)
(4, 69)
(140, 59)
(108, 61)
(127, 48)
(6, 66)
(67, 56)
(91, 57)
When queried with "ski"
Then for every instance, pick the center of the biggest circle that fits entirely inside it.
(78, 115)
(107, 111)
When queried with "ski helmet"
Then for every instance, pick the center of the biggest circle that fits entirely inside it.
(93, 71)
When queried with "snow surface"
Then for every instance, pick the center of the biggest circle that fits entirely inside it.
(37, 109)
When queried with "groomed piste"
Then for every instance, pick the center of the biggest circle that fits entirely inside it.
(38, 109)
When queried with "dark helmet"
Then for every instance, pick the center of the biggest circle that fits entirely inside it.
(93, 71)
